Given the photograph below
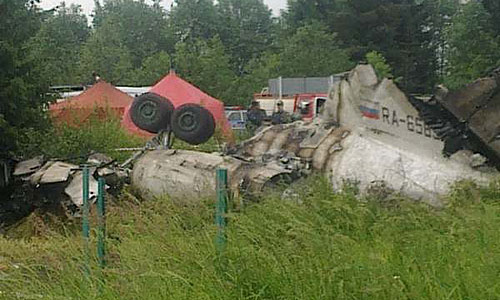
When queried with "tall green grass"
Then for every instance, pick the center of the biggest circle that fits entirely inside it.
(325, 246)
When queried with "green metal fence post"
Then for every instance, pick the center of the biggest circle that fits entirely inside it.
(221, 208)
(85, 218)
(101, 214)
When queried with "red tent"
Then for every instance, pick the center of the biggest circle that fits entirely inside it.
(180, 92)
(102, 98)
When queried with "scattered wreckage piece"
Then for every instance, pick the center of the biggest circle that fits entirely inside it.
(188, 175)
(362, 157)
(53, 172)
(75, 187)
(28, 167)
(54, 184)
(467, 118)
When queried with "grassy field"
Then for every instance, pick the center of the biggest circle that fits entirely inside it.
(324, 246)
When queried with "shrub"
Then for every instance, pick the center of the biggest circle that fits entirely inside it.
(379, 63)
(75, 143)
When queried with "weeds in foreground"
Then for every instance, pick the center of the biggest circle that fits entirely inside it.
(325, 246)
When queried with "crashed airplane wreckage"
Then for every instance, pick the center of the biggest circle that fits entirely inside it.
(368, 133)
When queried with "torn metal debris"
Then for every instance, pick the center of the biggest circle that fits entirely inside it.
(28, 167)
(39, 183)
(467, 119)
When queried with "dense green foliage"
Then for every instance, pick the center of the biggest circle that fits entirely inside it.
(425, 41)
(58, 43)
(474, 46)
(206, 63)
(325, 246)
(76, 143)
(230, 48)
(313, 51)
(20, 85)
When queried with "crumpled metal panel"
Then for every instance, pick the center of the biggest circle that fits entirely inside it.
(476, 108)
(98, 159)
(52, 172)
(464, 102)
(28, 167)
(316, 137)
(57, 172)
(75, 188)
(485, 123)
(260, 176)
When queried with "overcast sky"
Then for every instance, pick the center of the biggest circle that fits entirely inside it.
(88, 5)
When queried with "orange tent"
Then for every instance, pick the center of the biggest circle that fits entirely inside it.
(102, 98)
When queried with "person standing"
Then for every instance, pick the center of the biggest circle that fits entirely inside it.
(255, 115)
(281, 116)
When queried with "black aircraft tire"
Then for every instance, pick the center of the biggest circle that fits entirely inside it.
(151, 112)
(193, 124)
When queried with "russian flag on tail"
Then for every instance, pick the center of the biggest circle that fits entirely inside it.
(368, 112)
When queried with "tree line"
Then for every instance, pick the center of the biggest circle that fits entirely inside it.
(230, 48)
